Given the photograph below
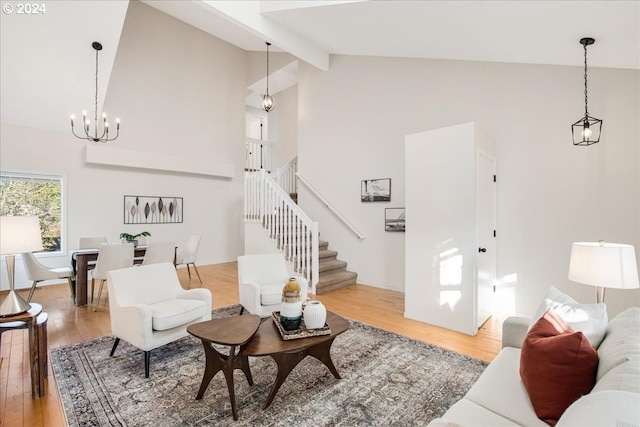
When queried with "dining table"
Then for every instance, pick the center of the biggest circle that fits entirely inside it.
(81, 261)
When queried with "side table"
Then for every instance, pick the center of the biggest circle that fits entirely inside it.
(230, 331)
(36, 322)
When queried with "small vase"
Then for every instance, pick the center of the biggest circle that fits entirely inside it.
(315, 315)
(291, 307)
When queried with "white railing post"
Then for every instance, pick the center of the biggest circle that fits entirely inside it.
(257, 155)
(286, 177)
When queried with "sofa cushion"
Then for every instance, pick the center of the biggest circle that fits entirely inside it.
(590, 319)
(467, 413)
(624, 377)
(271, 293)
(500, 390)
(621, 342)
(176, 312)
(557, 366)
(603, 409)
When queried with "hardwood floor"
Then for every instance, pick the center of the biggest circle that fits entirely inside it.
(69, 324)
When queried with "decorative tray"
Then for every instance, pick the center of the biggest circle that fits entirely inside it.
(301, 332)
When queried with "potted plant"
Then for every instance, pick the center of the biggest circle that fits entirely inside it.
(132, 237)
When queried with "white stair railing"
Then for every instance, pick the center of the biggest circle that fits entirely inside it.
(292, 230)
(331, 208)
(257, 155)
(285, 176)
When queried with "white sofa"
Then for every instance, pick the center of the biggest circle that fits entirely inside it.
(499, 397)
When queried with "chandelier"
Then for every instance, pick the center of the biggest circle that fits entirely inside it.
(86, 123)
(267, 100)
(586, 131)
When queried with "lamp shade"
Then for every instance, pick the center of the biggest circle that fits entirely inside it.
(607, 265)
(19, 234)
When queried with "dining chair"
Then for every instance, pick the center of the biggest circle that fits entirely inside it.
(158, 252)
(38, 272)
(187, 254)
(91, 242)
(111, 257)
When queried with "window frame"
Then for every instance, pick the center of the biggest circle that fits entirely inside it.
(60, 178)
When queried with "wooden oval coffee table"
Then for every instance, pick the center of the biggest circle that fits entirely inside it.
(267, 341)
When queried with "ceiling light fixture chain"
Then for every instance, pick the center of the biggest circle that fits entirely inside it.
(86, 124)
(267, 100)
(586, 131)
(586, 96)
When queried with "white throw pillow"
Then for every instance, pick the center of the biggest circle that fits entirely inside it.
(590, 319)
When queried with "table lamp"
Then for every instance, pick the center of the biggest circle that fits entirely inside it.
(604, 265)
(18, 234)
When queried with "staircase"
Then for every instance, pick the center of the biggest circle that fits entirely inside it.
(294, 233)
(333, 272)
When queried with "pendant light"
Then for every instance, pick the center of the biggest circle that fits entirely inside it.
(586, 131)
(267, 100)
(86, 123)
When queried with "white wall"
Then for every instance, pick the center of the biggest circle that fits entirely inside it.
(283, 125)
(352, 124)
(178, 92)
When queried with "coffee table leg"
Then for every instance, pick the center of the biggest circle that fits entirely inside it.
(242, 363)
(286, 362)
(216, 362)
(322, 352)
(213, 364)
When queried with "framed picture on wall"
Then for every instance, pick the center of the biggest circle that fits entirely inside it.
(375, 190)
(152, 209)
(394, 219)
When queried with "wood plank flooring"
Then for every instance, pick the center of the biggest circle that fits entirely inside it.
(69, 324)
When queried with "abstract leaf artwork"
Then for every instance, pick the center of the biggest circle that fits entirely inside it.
(152, 210)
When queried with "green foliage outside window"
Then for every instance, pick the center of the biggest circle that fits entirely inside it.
(32, 195)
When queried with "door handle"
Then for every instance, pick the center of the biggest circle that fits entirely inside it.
(482, 249)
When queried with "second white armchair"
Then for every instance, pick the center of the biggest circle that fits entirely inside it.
(261, 278)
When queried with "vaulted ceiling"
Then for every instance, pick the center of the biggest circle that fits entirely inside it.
(45, 58)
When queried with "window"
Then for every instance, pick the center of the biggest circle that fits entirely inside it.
(35, 195)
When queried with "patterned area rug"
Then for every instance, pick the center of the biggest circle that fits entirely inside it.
(387, 379)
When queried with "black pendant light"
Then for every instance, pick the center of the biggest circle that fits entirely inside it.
(86, 123)
(586, 131)
(267, 100)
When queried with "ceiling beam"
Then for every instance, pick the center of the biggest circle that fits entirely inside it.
(247, 15)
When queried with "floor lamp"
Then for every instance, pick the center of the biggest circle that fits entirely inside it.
(18, 234)
(604, 265)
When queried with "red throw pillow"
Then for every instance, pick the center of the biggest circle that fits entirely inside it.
(557, 366)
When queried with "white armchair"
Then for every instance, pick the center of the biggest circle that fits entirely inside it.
(149, 308)
(261, 278)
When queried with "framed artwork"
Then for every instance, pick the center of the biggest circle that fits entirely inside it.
(153, 209)
(394, 219)
(375, 190)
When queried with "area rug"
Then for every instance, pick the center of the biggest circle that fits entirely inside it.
(386, 380)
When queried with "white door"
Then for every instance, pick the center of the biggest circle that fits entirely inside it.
(486, 228)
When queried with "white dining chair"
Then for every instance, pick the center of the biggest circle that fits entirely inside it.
(91, 242)
(187, 255)
(38, 272)
(110, 257)
(159, 252)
